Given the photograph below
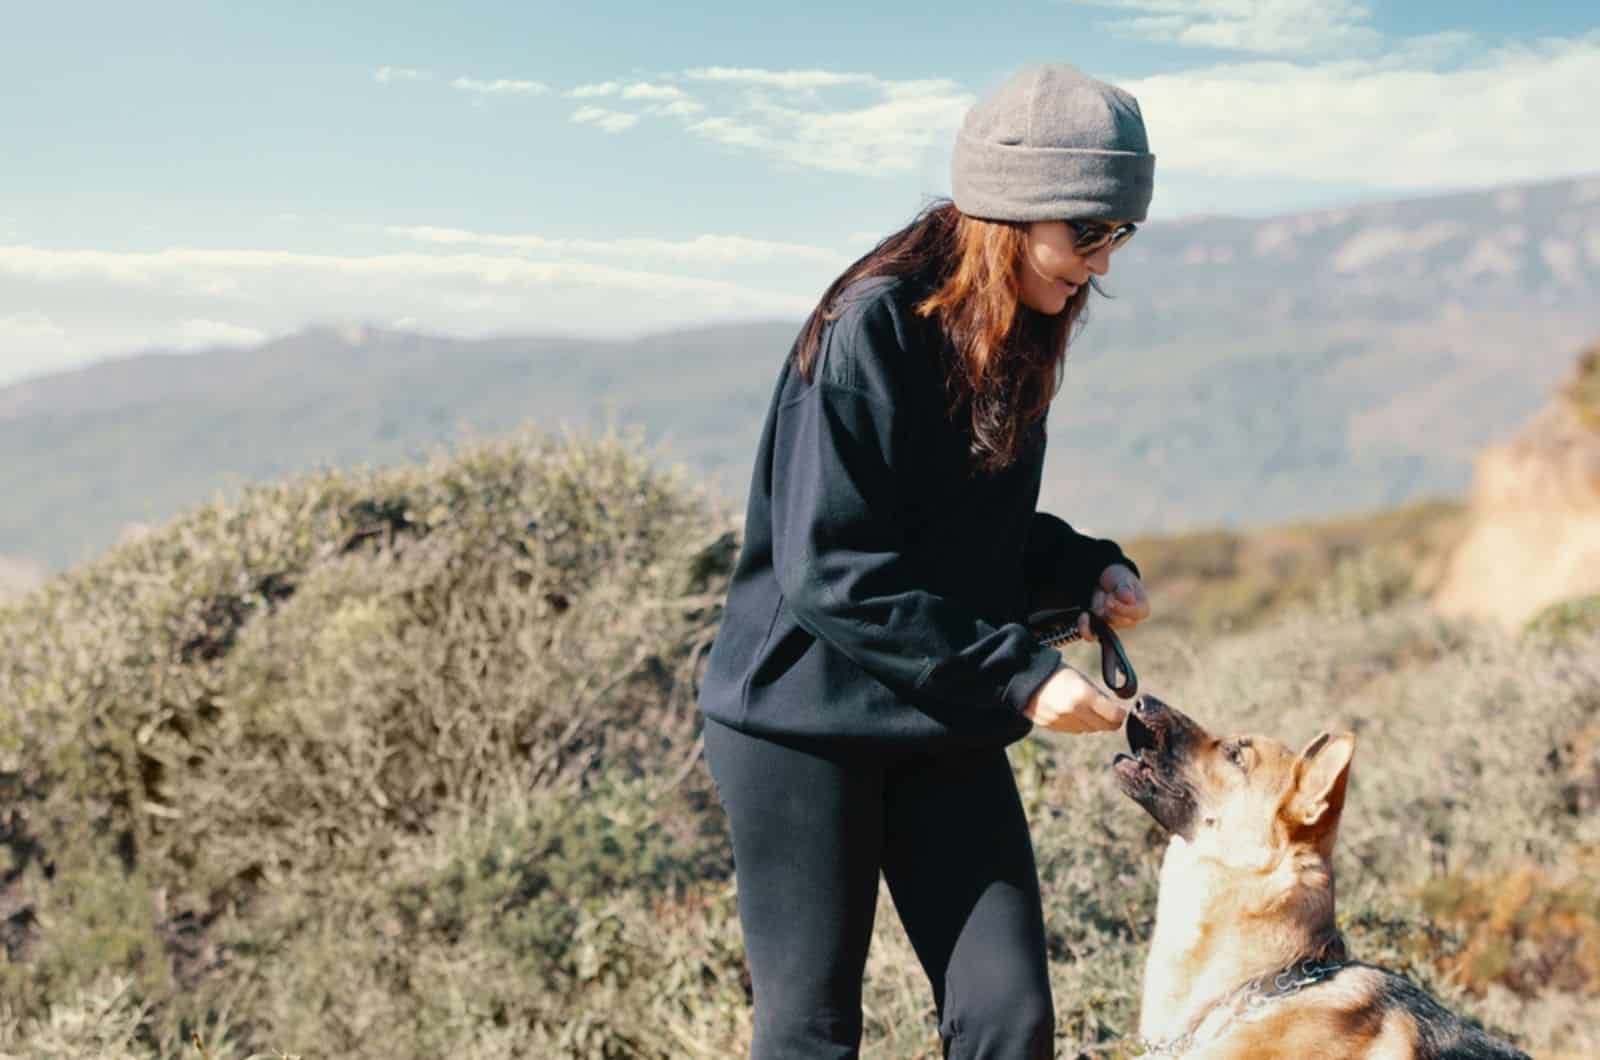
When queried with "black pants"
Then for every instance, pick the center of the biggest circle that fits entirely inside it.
(812, 828)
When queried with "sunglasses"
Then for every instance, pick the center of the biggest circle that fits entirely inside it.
(1088, 237)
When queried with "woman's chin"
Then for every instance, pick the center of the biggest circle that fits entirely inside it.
(1051, 305)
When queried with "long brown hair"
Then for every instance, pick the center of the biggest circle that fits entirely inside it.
(1008, 358)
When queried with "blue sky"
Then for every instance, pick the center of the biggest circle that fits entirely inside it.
(180, 175)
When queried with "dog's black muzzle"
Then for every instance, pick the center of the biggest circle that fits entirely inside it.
(1160, 739)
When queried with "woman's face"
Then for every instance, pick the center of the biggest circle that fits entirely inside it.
(1052, 271)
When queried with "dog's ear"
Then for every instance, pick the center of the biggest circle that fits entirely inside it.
(1321, 773)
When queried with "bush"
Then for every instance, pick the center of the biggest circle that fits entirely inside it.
(1579, 617)
(400, 763)
(288, 686)
(1224, 581)
(1582, 388)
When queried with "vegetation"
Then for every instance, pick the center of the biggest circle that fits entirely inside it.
(1582, 389)
(1567, 619)
(400, 763)
(1221, 581)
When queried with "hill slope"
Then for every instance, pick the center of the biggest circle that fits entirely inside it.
(1245, 372)
(1534, 536)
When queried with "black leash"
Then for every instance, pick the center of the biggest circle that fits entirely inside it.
(1059, 625)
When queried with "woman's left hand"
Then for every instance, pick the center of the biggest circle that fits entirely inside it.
(1120, 600)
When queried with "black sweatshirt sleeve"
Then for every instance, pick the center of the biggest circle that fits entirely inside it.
(1059, 560)
(838, 549)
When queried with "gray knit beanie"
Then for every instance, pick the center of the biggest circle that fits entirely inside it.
(1053, 144)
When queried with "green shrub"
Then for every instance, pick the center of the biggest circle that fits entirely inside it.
(1582, 389)
(291, 684)
(1579, 617)
(568, 925)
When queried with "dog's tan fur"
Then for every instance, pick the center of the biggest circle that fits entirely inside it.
(1247, 890)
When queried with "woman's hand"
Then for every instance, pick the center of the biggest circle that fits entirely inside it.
(1070, 702)
(1120, 600)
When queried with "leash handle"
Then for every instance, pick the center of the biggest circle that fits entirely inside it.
(1059, 625)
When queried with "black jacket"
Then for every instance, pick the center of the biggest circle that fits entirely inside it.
(879, 592)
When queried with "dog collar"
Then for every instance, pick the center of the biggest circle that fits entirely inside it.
(1246, 1002)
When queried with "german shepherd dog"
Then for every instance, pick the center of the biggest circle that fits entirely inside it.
(1247, 960)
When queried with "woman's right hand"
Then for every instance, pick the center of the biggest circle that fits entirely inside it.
(1070, 702)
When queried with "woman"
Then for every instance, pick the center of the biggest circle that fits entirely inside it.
(872, 663)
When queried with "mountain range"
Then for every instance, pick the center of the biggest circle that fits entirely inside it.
(1243, 371)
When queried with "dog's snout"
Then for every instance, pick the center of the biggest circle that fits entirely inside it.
(1148, 706)
(1153, 726)
(1142, 736)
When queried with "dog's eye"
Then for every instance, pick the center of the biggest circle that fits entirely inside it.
(1235, 753)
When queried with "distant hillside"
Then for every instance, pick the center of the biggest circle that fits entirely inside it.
(139, 439)
(1245, 372)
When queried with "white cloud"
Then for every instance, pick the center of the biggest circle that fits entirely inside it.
(33, 342)
(681, 108)
(1428, 50)
(386, 74)
(701, 250)
(783, 114)
(1272, 27)
(786, 115)
(94, 303)
(1505, 116)
(645, 90)
(612, 121)
(790, 80)
(1429, 111)
(500, 87)
(657, 99)
(663, 99)
(736, 134)
(884, 138)
(177, 268)
(200, 333)
(30, 327)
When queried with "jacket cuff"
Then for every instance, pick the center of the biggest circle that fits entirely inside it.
(1026, 681)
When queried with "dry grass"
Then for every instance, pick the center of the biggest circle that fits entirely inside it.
(381, 765)
(1471, 750)
(1226, 581)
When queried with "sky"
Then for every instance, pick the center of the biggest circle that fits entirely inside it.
(185, 175)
